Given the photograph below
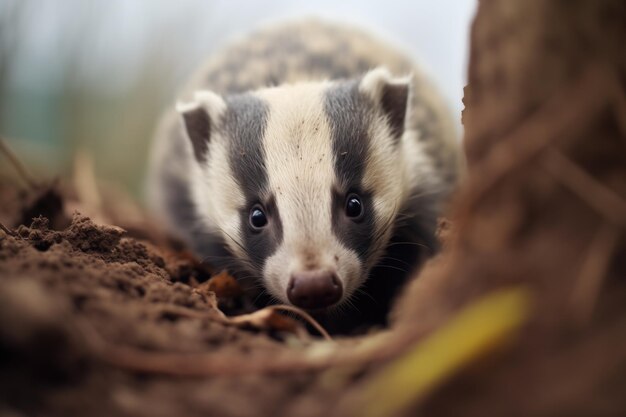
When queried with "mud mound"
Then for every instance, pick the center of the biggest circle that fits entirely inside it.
(60, 288)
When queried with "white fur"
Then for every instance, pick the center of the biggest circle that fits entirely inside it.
(212, 103)
(373, 82)
(300, 165)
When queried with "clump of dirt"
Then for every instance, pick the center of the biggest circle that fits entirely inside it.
(63, 292)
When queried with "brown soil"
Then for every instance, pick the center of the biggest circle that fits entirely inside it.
(522, 314)
(64, 292)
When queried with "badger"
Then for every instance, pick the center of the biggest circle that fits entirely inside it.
(312, 160)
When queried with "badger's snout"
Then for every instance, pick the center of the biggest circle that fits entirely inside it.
(314, 289)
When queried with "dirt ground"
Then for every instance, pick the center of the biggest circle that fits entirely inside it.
(64, 291)
(523, 313)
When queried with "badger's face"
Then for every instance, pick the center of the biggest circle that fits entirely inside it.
(303, 182)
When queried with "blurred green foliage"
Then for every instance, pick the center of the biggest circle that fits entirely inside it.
(91, 77)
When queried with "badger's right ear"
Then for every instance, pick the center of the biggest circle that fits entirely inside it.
(199, 117)
(391, 94)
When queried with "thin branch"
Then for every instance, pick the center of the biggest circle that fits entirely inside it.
(566, 114)
(203, 364)
(7, 230)
(593, 273)
(17, 164)
(597, 195)
(306, 316)
(619, 107)
(219, 316)
(86, 186)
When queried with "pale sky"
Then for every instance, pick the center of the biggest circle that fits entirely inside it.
(115, 31)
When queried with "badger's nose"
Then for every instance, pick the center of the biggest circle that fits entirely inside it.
(313, 290)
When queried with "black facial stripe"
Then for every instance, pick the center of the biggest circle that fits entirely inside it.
(244, 124)
(349, 114)
(356, 235)
(261, 244)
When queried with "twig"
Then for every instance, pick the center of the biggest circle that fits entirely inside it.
(597, 195)
(565, 115)
(203, 364)
(17, 164)
(306, 316)
(619, 107)
(219, 316)
(7, 230)
(187, 312)
(593, 273)
(86, 186)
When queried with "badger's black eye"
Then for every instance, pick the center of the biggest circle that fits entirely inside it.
(258, 219)
(354, 207)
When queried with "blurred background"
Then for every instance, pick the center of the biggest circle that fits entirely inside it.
(94, 76)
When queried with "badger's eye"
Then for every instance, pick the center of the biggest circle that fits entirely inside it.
(354, 207)
(258, 219)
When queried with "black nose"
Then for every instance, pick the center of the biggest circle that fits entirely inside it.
(313, 290)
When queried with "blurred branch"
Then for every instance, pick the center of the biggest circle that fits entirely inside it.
(17, 164)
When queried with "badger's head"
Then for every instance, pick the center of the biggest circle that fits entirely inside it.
(303, 182)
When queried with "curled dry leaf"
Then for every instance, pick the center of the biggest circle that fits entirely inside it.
(224, 287)
(268, 319)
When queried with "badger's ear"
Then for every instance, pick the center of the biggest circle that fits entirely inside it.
(391, 94)
(199, 117)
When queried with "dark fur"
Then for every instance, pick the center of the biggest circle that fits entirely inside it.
(394, 103)
(198, 127)
(244, 125)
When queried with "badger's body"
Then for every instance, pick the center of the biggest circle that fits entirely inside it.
(295, 159)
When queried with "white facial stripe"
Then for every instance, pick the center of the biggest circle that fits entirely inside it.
(300, 168)
(297, 148)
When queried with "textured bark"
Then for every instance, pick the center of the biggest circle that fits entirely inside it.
(543, 206)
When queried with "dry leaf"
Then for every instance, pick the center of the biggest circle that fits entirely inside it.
(223, 285)
(474, 331)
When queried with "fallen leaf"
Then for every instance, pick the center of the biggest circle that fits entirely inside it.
(474, 331)
(223, 285)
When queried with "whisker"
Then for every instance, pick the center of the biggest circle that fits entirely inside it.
(235, 241)
(350, 303)
(427, 193)
(391, 258)
(393, 267)
(409, 243)
(360, 291)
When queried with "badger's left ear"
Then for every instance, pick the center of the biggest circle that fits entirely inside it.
(199, 118)
(391, 94)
